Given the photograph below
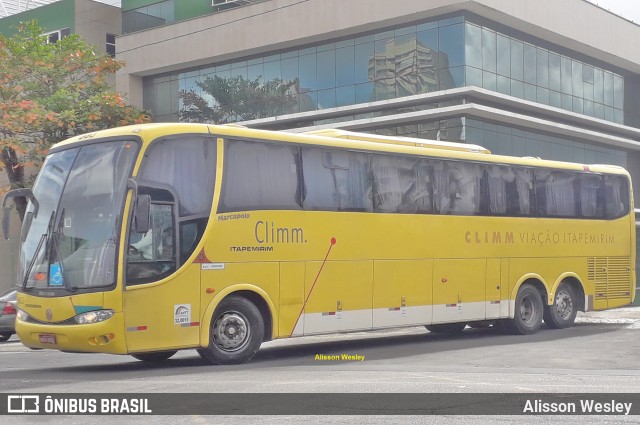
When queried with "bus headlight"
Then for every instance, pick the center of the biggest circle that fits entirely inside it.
(93, 316)
(21, 315)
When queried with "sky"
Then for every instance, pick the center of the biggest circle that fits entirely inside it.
(629, 9)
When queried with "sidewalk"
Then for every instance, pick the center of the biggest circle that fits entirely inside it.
(630, 315)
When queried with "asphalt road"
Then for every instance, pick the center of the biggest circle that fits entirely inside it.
(595, 356)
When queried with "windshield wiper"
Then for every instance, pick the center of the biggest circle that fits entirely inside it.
(43, 241)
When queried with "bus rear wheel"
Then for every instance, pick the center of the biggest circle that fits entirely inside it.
(562, 313)
(236, 332)
(528, 312)
(158, 356)
(446, 328)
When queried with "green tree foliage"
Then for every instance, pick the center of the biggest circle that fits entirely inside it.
(49, 92)
(237, 99)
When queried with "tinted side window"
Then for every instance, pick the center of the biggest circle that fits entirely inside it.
(336, 180)
(456, 187)
(260, 176)
(510, 190)
(556, 193)
(497, 180)
(401, 185)
(591, 196)
(468, 177)
(186, 166)
(616, 196)
(151, 255)
(190, 233)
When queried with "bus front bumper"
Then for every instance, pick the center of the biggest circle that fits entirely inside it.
(101, 337)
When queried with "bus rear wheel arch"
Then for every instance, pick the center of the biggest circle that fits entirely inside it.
(529, 311)
(236, 332)
(564, 308)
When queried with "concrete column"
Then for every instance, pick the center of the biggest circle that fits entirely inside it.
(130, 86)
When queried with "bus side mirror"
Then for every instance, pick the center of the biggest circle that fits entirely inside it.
(16, 193)
(22, 193)
(142, 213)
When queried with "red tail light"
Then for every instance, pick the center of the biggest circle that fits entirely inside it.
(9, 309)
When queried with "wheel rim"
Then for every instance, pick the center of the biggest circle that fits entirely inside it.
(564, 304)
(231, 331)
(528, 310)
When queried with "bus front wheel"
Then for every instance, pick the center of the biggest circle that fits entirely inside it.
(528, 312)
(562, 313)
(236, 332)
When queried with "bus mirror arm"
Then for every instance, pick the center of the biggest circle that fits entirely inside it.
(16, 193)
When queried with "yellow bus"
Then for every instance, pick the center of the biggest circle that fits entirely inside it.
(149, 239)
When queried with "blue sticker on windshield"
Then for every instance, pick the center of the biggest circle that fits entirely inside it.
(55, 275)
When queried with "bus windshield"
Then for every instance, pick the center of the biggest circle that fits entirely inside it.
(70, 244)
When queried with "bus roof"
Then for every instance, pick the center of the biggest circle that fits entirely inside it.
(339, 139)
(398, 140)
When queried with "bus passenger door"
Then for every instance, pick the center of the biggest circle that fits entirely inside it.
(459, 290)
(161, 307)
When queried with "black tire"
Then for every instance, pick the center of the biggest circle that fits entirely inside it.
(5, 336)
(446, 328)
(158, 356)
(562, 313)
(236, 332)
(529, 311)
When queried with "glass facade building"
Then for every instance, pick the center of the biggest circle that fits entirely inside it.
(426, 57)
(513, 67)
(150, 16)
(503, 139)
